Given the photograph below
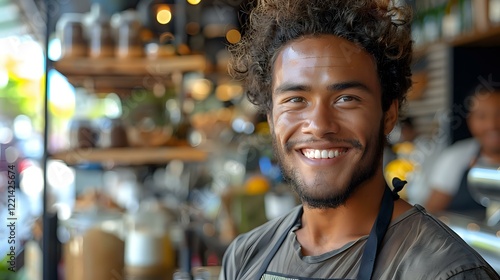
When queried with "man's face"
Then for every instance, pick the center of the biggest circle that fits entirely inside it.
(484, 121)
(327, 121)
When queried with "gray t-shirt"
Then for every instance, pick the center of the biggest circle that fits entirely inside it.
(416, 246)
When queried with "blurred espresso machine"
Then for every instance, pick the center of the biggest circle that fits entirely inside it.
(481, 234)
(484, 185)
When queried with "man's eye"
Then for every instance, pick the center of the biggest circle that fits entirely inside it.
(345, 99)
(295, 100)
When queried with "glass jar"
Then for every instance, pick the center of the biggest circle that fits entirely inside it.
(94, 248)
(149, 252)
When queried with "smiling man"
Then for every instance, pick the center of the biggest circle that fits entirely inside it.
(331, 76)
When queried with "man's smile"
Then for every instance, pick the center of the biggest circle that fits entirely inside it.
(323, 153)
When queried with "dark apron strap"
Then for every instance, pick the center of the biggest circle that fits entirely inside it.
(376, 236)
(277, 245)
(371, 248)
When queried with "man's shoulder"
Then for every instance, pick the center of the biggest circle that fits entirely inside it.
(432, 248)
(424, 227)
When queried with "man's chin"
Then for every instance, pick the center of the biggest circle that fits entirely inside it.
(322, 201)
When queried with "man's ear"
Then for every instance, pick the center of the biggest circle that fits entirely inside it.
(391, 117)
(270, 121)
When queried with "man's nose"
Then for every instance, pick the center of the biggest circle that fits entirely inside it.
(321, 120)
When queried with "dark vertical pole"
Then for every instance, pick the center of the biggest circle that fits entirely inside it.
(49, 244)
(180, 22)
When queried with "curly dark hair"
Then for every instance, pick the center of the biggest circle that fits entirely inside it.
(381, 28)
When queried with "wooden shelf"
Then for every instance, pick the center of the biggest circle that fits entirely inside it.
(131, 155)
(131, 66)
(488, 38)
(122, 75)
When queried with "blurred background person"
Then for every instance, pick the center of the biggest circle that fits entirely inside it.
(448, 181)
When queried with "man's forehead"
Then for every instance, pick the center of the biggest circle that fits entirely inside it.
(326, 42)
(323, 50)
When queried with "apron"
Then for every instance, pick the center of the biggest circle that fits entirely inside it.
(463, 201)
(371, 247)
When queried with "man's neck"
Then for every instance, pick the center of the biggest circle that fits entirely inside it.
(324, 230)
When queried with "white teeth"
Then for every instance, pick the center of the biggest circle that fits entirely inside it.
(313, 154)
(317, 154)
(324, 154)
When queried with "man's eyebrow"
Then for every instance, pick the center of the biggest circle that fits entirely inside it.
(333, 87)
(291, 87)
(347, 85)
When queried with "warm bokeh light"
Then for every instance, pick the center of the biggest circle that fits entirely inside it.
(201, 89)
(194, 2)
(164, 15)
(233, 36)
(226, 92)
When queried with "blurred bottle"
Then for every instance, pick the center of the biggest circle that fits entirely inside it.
(126, 28)
(98, 27)
(82, 134)
(70, 31)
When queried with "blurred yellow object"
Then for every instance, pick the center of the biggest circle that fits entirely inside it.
(404, 148)
(257, 184)
(400, 168)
